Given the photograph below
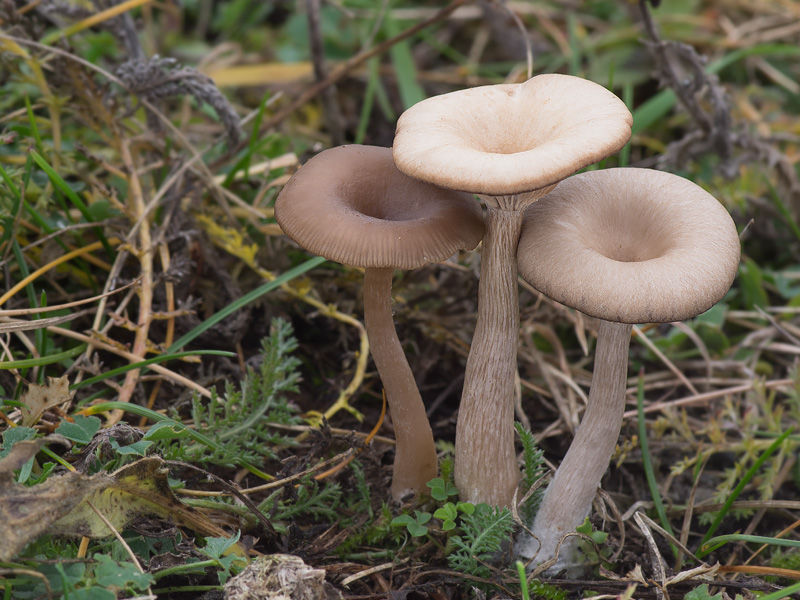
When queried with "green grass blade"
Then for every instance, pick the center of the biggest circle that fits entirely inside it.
(652, 110)
(10, 183)
(647, 463)
(56, 458)
(784, 593)
(62, 185)
(32, 120)
(369, 100)
(37, 218)
(43, 360)
(243, 164)
(751, 472)
(28, 172)
(523, 580)
(720, 540)
(773, 434)
(40, 221)
(156, 417)
(24, 272)
(150, 361)
(384, 103)
(784, 50)
(245, 300)
(405, 68)
(446, 50)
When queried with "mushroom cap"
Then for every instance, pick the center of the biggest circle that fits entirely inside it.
(351, 204)
(511, 138)
(630, 245)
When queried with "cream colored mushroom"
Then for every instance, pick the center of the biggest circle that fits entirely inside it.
(625, 246)
(512, 144)
(350, 204)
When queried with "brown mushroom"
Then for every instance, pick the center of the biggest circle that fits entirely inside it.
(512, 143)
(350, 204)
(625, 246)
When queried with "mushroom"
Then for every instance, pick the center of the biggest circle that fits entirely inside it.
(625, 246)
(350, 204)
(512, 143)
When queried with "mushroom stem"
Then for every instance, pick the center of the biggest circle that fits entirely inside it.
(486, 467)
(569, 496)
(415, 455)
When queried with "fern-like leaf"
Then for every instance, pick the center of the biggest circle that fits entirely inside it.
(535, 469)
(483, 534)
(545, 591)
(312, 499)
(238, 420)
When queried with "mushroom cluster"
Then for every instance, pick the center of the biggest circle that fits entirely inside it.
(511, 144)
(623, 246)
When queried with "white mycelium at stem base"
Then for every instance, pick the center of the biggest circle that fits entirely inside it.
(625, 246)
(511, 143)
(351, 204)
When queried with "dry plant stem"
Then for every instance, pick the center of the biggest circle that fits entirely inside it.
(163, 251)
(646, 341)
(485, 462)
(117, 535)
(97, 344)
(5, 314)
(145, 255)
(100, 313)
(708, 396)
(569, 496)
(415, 455)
